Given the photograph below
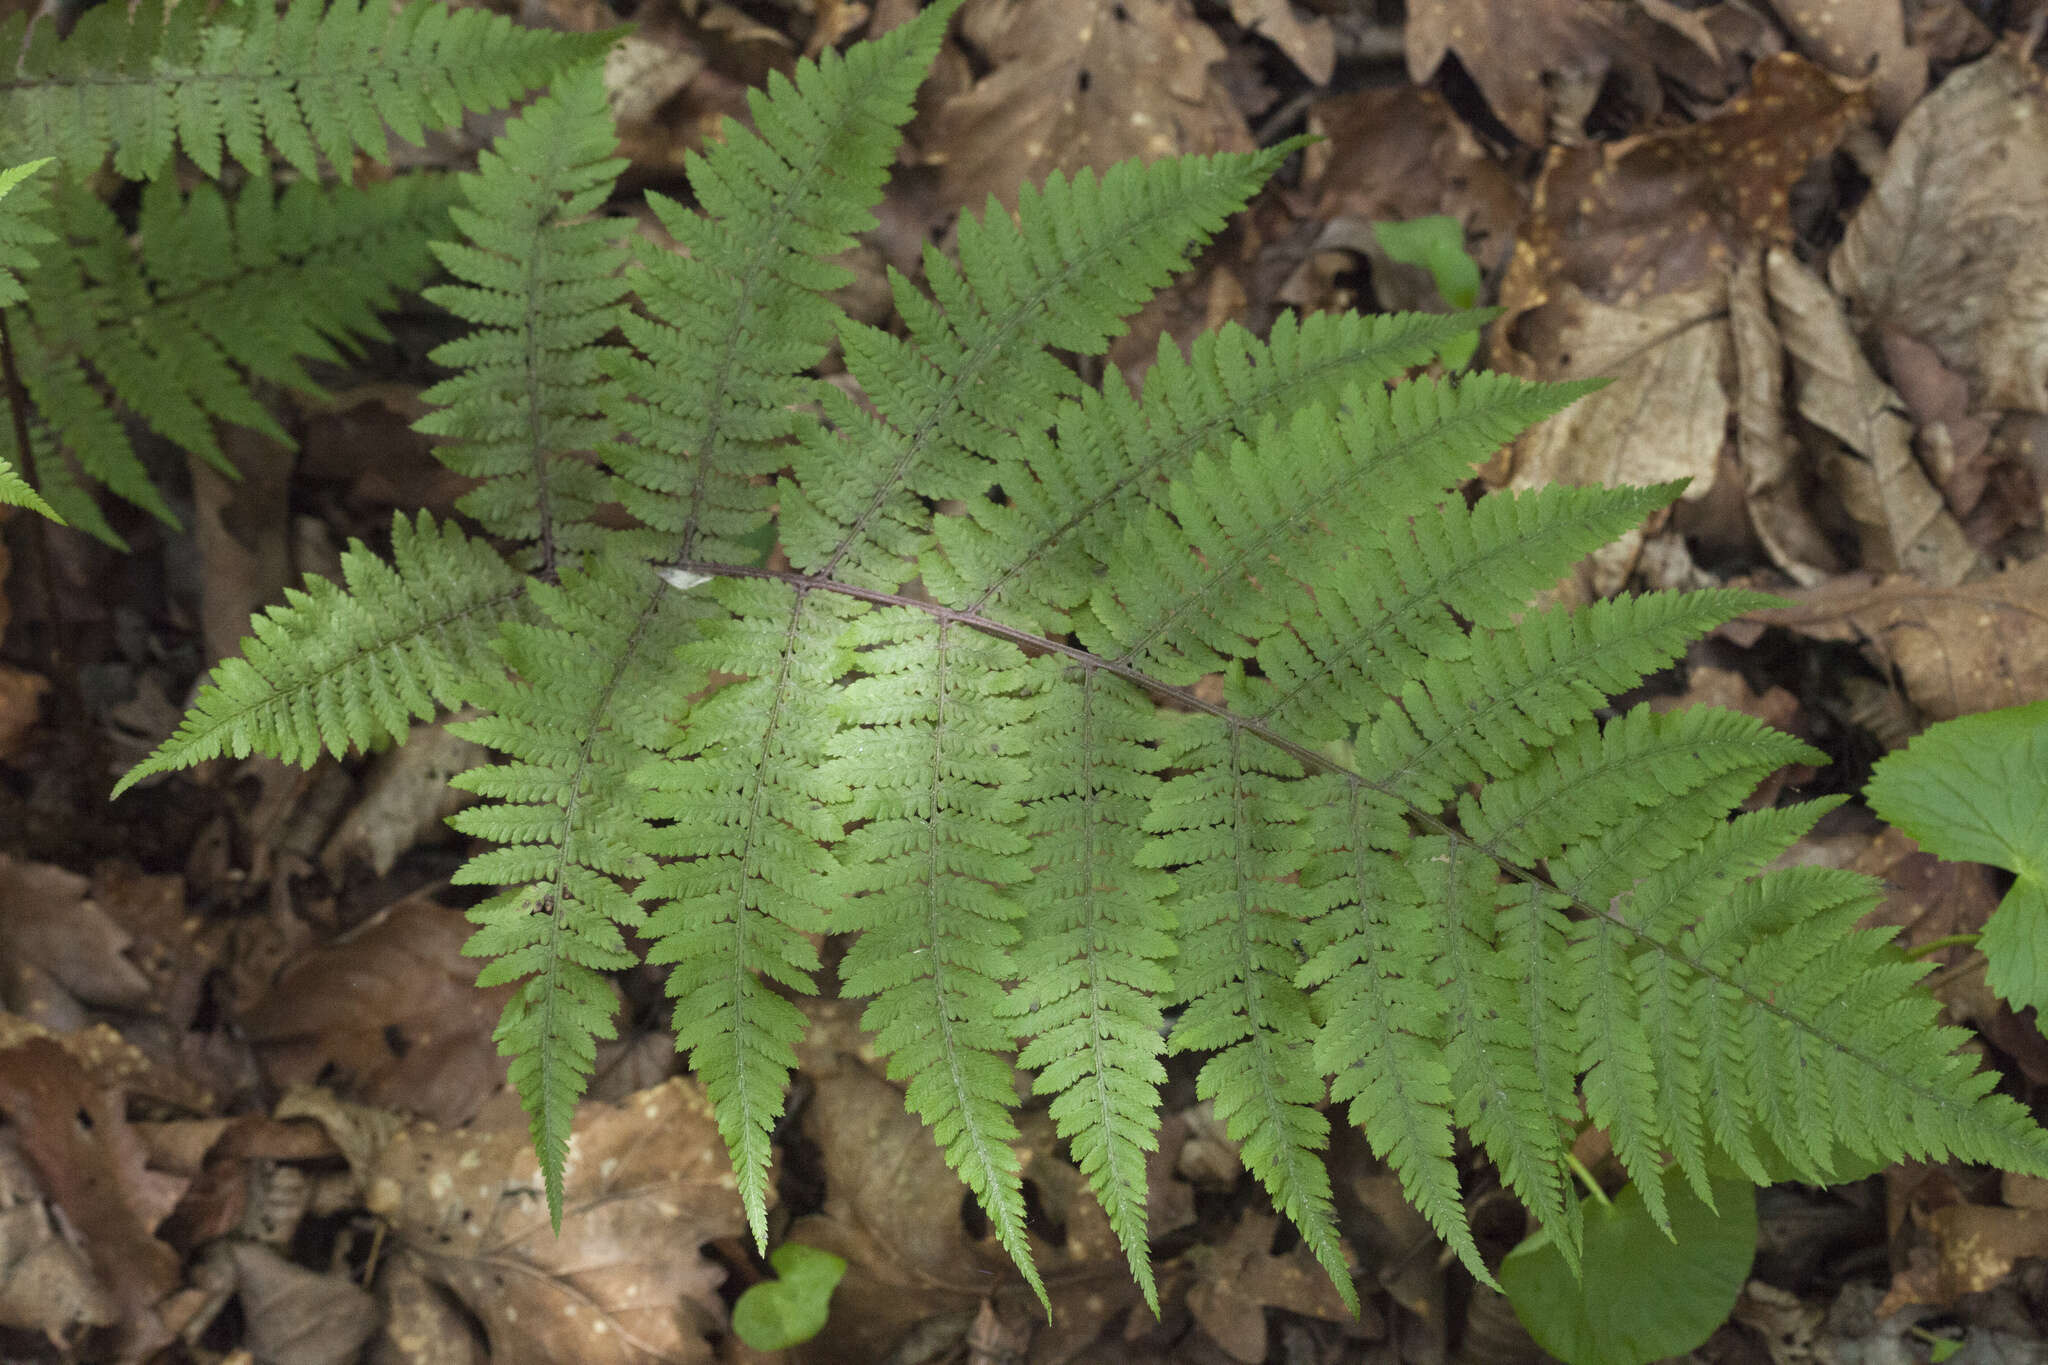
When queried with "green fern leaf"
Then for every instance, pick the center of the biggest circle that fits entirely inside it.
(1093, 964)
(334, 667)
(543, 286)
(933, 769)
(319, 80)
(737, 315)
(748, 805)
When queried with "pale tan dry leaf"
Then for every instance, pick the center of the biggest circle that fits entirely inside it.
(1902, 522)
(405, 798)
(1977, 647)
(46, 1284)
(1080, 83)
(1239, 1280)
(1663, 417)
(296, 1316)
(1947, 245)
(52, 922)
(648, 1183)
(1522, 55)
(421, 1327)
(1308, 40)
(394, 1009)
(1777, 480)
(1861, 39)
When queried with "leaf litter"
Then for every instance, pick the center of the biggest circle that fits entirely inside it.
(250, 1108)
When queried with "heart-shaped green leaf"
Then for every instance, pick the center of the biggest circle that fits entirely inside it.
(790, 1309)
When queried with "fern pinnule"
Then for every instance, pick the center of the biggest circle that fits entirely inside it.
(572, 704)
(543, 284)
(931, 758)
(1078, 257)
(332, 667)
(322, 78)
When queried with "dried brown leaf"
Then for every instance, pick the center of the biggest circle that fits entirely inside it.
(1946, 247)
(1081, 83)
(1522, 56)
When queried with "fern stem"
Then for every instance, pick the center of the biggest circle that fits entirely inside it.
(1934, 946)
(1593, 1190)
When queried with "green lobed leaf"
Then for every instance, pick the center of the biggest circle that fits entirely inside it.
(793, 1307)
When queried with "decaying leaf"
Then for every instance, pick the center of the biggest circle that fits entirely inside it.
(1084, 84)
(1242, 1278)
(1861, 39)
(393, 1010)
(1903, 524)
(648, 1183)
(1976, 647)
(1947, 245)
(1540, 63)
(1308, 40)
(1778, 481)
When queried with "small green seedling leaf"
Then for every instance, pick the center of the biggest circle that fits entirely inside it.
(1975, 789)
(1640, 1295)
(1437, 244)
(791, 1309)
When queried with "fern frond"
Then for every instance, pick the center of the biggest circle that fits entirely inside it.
(543, 286)
(574, 703)
(334, 667)
(1093, 964)
(1079, 256)
(748, 807)
(739, 313)
(213, 291)
(1068, 495)
(932, 761)
(319, 79)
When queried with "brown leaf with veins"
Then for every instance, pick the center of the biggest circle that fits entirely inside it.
(1958, 650)
(395, 1008)
(1947, 246)
(1540, 63)
(1083, 84)
(648, 1182)
(1242, 1278)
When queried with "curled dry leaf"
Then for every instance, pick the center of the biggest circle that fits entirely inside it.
(1976, 647)
(1901, 520)
(1540, 63)
(1861, 39)
(46, 1284)
(297, 1316)
(1308, 40)
(1778, 481)
(1079, 85)
(1242, 1278)
(1947, 245)
(405, 798)
(648, 1183)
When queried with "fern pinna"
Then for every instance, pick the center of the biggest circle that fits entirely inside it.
(1407, 862)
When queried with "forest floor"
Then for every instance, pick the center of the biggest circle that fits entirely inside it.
(1807, 238)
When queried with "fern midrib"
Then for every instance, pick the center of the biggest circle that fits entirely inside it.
(1098, 1006)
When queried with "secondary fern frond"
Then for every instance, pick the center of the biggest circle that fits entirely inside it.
(319, 79)
(20, 233)
(543, 285)
(334, 667)
(215, 290)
